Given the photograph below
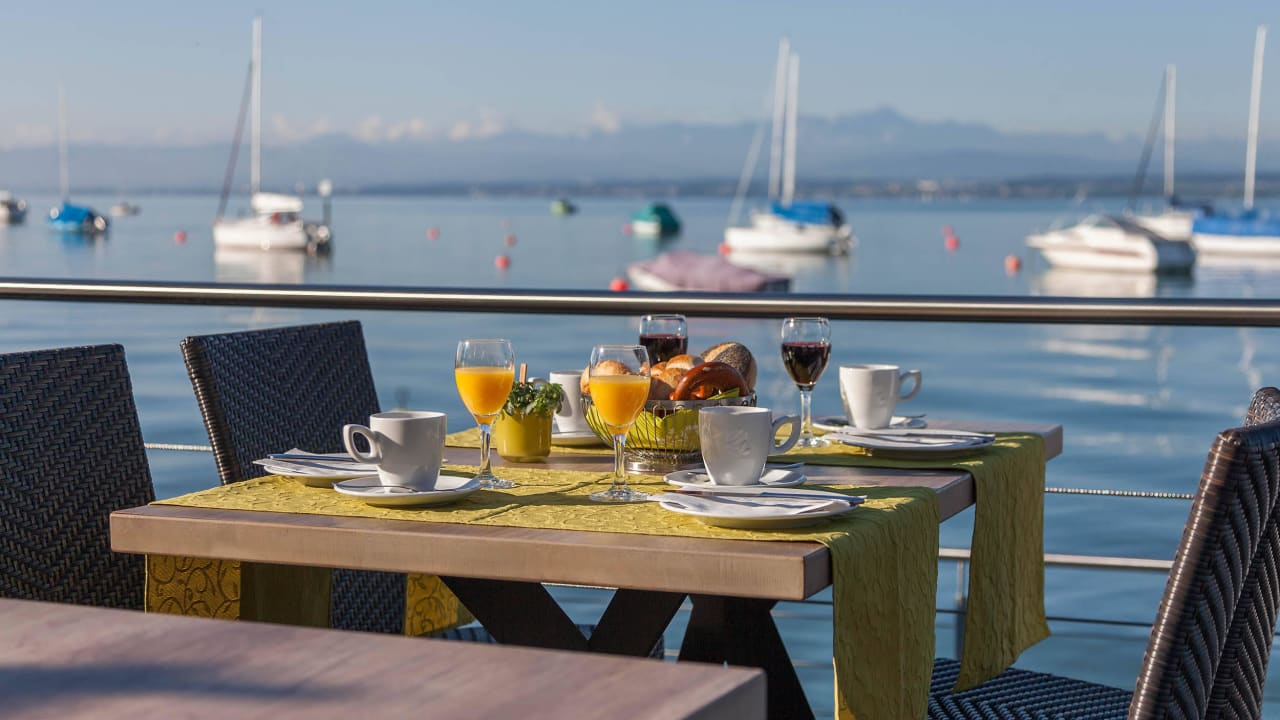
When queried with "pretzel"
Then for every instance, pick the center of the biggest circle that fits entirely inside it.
(708, 380)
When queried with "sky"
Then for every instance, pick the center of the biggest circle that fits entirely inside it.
(172, 73)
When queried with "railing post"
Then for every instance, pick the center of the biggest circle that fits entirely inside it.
(962, 605)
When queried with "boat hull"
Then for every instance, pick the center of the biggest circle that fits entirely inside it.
(788, 237)
(651, 228)
(1237, 245)
(12, 215)
(1113, 250)
(261, 234)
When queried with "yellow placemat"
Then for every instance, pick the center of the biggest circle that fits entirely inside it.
(1005, 614)
(884, 559)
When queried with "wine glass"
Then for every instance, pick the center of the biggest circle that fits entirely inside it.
(806, 347)
(664, 336)
(619, 382)
(484, 371)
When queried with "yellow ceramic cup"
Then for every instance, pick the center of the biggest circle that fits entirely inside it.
(522, 438)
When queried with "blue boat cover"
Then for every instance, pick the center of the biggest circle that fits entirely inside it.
(70, 214)
(1246, 224)
(810, 212)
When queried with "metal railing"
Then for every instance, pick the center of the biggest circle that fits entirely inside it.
(909, 308)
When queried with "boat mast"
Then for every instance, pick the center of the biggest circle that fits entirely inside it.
(1255, 99)
(779, 103)
(789, 168)
(64, 173)
(1170, 90)
(255, 142)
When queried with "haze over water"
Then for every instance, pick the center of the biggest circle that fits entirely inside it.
(1140, 405)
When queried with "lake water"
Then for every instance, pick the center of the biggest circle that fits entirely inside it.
(1140, 405)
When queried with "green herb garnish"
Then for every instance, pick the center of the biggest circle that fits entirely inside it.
(534, 398)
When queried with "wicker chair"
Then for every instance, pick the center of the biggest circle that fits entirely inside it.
(1211, 642)
(265, 391)
(70, 453)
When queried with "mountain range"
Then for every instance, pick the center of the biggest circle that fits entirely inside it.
(881, 144)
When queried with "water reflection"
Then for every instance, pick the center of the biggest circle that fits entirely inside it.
(1066, 282)
(268, 268)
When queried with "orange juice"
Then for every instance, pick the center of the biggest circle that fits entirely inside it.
(619, 399)
(484, 390)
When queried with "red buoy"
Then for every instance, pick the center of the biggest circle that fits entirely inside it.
(947, 231)
(433, 233)
(626, 228)
(952, 242)
(619, 285)
(1012, 264)
(724, 248)
(180, 236)
(510, 240)
(502, 262)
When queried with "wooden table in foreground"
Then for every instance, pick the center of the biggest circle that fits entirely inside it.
(497, 571)
(70, 661)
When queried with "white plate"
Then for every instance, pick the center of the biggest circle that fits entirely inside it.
(576, 438)
(770, 478)
(449, 488)
(940, 444)
(761, 522)
(836, 423)
(313, 477)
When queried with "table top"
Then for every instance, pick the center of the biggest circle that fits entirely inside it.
(71, 661)
(740, 568)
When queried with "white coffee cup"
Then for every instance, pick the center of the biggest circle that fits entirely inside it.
(736, 441)
(407, 446)
(570, 418)
(871, 392)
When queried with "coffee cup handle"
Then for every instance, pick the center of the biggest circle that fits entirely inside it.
(349, 433)
(902, 379)
(790, 442)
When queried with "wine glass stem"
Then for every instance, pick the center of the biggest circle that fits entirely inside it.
(619, 464)
(484, 450)
(806, 412)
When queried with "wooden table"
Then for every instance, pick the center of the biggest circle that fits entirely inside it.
(69, 661)
(497, 571)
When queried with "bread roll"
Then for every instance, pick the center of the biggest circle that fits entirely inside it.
(656, 369)
(684, 362)
(737, 355)
(604, 367)
(664, 383)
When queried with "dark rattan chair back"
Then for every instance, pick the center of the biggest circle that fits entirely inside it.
(265, 391)
(1211, 642)
(71, 452)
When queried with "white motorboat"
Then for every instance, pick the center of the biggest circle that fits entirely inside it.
(1109, 242)
(123, 208)
(786, 225)
(12, 210)
(276, 219)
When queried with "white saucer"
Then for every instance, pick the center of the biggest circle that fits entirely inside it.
(771, 478)
(576, 438)
(449, 488)
(836, 423)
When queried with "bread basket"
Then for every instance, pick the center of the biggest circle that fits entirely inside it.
(664, 437)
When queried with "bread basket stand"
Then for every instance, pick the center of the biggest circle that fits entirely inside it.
(665, 436)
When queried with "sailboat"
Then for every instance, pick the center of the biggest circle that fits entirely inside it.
(1175, 222)
(69, 218)
(787, 225)
(276, 222)
(1250, 233)
(12, 210)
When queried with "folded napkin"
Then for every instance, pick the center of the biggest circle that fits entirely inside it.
(748, 505)
(301, 462)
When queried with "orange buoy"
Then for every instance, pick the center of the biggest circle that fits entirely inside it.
(510, 240)
(619, 285)
(502, 262)
(952, 242)
(724, 248)
(1012, 264)
(433, 233)
(180, 236)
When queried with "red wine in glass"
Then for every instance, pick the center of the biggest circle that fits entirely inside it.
(663, 347)
(805, 361)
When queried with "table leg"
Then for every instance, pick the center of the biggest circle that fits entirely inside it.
(740, 631)
(634, 622)
(518, 613)
(287, 594)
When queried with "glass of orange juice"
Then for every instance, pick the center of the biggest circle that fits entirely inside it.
(619, 383)
(484, 371)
